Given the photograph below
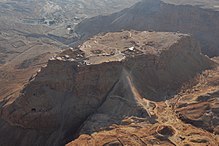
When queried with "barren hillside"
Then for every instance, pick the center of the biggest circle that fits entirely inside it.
(100, 72)
(33, 31)
(156, 15)
(112, 79)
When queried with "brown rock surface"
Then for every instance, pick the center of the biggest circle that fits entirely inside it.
(199, 106)
(169, 129)
(119, 78)
(199, 18)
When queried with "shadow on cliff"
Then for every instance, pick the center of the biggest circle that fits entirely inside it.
(64, 95)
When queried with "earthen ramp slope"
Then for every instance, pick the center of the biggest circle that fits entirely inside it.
(107, 79)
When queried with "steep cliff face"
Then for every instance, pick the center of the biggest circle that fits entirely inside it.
(160, 16)
(100, 83)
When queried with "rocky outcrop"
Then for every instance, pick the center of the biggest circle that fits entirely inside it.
(157, 15)
(100, 83)
(202, 113)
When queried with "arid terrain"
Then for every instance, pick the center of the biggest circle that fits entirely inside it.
(93, 73)
(157, 15)
(112, 88)
(33, 31)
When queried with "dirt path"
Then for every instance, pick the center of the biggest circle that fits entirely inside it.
(186, 133)
(183, 133)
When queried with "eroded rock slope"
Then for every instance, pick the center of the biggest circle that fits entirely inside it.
(100, 83)
(160, 15)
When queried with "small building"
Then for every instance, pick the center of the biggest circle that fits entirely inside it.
(131, 48)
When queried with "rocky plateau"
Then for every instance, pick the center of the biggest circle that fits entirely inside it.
(109, 73)
(110, 90)
(199, 18)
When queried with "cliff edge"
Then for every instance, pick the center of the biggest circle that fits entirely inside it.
(107, 79)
